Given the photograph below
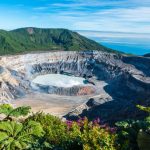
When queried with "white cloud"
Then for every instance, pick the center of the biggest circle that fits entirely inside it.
(115, 19)
(40, 8)
(108, 15)
(88, 3)
(110, 34)
(139, 14)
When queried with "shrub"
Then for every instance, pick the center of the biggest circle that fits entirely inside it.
(10, 112)
(76, 135)
(146, 109)
(55, 130)
(129, 131)
(15, 135)
(44, 132)
(95, 136)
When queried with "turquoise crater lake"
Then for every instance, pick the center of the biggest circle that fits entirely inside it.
(59, 80)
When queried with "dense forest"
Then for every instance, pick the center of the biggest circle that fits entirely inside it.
(35, 39)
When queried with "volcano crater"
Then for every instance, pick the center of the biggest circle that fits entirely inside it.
(63, 83)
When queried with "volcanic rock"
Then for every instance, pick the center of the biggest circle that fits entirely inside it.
(126, 78)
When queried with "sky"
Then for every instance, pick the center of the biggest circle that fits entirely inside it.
(96, 15)
(123, 25)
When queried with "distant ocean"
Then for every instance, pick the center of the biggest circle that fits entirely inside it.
(137, 48)
(132, 43)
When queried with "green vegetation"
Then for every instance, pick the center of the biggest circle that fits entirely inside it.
(15, 135)
(135, 134)
(75, 135)
(45, 132)
(35, 39)
(9, 111)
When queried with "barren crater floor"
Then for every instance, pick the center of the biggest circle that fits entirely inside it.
(56, 104)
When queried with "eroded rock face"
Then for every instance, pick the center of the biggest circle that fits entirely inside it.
(67, 91)
(127, 78)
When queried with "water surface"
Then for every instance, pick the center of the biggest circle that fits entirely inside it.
(132, 43)
(59, 80)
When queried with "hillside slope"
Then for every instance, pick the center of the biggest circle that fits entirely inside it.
(36, 39)
(147, 55)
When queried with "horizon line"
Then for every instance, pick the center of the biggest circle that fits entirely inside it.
(78, 30)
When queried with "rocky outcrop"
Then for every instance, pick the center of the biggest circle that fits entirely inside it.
(66, 91)
(147, 55)
(127, 78)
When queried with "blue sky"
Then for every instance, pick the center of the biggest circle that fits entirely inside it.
(97, 15)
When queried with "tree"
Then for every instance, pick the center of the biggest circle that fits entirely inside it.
(15, 135)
